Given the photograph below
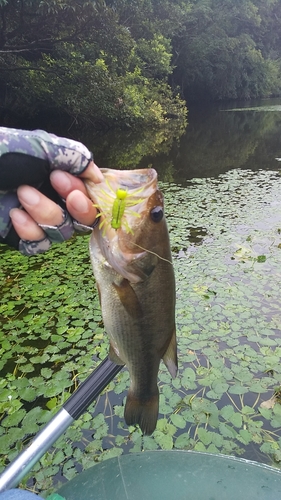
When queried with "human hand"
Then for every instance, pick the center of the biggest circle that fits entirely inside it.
(41, 211)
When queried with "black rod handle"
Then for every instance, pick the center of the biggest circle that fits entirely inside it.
(89, 390)
(78, 402)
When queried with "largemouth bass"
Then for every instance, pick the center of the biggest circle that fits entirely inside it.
(131, 259)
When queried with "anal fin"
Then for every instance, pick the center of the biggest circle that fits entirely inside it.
(170, 357)
(113, 356)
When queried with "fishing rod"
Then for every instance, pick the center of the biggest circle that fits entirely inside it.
(78, 402)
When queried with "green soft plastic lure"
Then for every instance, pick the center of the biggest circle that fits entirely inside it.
(111, 210)
(118, 208)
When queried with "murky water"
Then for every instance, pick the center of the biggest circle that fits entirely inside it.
(223, 173)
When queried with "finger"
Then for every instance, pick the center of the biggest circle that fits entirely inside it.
(93, 173)
(81, 208)
(64, 183)
(25, 226)
(39, 207)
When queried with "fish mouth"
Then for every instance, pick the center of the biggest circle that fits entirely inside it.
(138, 185)
(117, 237)
(131, 179)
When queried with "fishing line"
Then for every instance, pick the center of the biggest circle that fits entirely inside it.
(153, 253)
(122, 205)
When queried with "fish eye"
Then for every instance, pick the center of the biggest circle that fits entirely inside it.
(156, 214)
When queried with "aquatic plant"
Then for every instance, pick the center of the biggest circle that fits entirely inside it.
(226, 240)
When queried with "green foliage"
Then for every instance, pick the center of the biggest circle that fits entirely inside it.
(224, 55)
(121, 63)
(78, 58)
(155, 56)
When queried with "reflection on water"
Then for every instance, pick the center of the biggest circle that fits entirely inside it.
(215, 141)
(130, 149)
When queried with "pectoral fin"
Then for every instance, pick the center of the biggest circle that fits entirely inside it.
(128, 298)
(170, 357)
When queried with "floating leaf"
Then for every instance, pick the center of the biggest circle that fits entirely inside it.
(244, 436)
(183, 441)
(200, 447)
(46, 372)
(149, 443)
(236, 419)
(29, 394)
(14, 419)
(266, 411)
(238, 389)
(52, 403)
(227, 431)
(178, 420)
(165, 441)
(204, 436)
(227, 412)
(111, 453)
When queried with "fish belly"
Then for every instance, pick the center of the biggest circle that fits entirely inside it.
(139, 319)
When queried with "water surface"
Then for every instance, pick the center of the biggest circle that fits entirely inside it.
(216, 140)
(223, 204)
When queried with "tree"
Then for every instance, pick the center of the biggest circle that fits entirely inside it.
(221, 55)
(78, 58)
(122, 62)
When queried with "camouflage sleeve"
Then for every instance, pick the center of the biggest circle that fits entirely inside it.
(27, 157)
(61, 153)
(7, 202)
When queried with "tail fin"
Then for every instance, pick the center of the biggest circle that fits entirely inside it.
(142, 412)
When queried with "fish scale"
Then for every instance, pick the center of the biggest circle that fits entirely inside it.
(136, 284)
